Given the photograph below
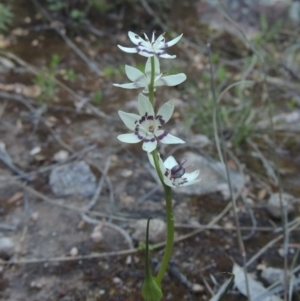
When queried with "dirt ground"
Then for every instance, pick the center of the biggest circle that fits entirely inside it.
(59, 250)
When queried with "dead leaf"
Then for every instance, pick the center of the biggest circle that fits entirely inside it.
(15, 198)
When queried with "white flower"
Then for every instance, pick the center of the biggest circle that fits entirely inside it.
(175, 174)
(142, 80)
(147, 126)
(147, 48)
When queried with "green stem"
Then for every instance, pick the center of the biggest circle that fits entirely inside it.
(151, 85)
(170, 235)
(170, 221)
(168, 194)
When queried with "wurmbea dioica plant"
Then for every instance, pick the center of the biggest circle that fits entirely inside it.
(147, 127)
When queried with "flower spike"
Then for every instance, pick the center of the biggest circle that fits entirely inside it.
(146, 127)
(148, 49)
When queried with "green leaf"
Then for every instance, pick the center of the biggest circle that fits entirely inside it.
(151, 291)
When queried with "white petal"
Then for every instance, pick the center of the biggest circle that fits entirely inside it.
(129, 85)
(149, 146)
(191, 176)
(148, 66)
(150, 157)
(129, 119)
(127, 49)
(171, 80)
(145, 106)
(168, 182)
(133, 74)
(164, 55)
(170, 162)
(191, 182)
(174, 41)
(137, 40)
(156, 65)
(129, 138)
(165, 112)
(160, 42)
(165, 137)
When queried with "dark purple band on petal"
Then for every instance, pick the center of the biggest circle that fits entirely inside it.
(159, 53)
(138, 135)
(142, 119)
(150, 117)
(160, 119)
(138, 49)
(149, 140)
(163, 135)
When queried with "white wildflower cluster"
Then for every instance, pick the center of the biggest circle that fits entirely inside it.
(147, 126)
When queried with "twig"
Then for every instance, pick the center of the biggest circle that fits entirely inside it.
(7, 227)
(111, 226)
(223, 156)
(49, 167)
(70, 207)
(6, 159)
(271, 243)
(100, 186)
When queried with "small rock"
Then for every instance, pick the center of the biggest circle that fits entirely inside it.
(38, 284)
(126, 173)
(73, 178)
(273, 205)
(117, 281)
(7, 248)
(34, 216)
(35, 150)
(73, 252)
(197, 288)
(157, 231)
(272, 275)
(129, 260)
(97, 234)
(97, 237)
(60, 156)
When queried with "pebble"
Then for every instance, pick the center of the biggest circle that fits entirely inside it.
(7, 248)
(126, 173)
(34, 216)
(157, 232)
(73, 252)
(73, 178)
(35, 150)
(197, 288)
(97, 235)
(273, 205)
(60, 156)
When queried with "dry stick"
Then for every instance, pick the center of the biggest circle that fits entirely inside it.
(271, 243)
(49, 167)
(89, 63)
(233, 198)
(116, 228)
(265, 80)
(106, 254)
(108, 181)
(100, 186)
(70, 207)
